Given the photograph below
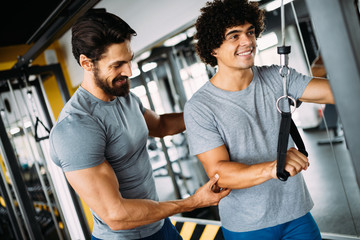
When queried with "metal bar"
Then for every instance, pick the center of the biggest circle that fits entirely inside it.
(42, 101)
(12, 203)
(36, 164)
(19, 186)
(156, 79)
(41, 154)
(175, 73)
(163, 145)
(336, 24)
(45, 109)
(333, 236)
(61, 24)
(6, 195)
(60, 79)
(46, 105)
(48, 21)
(57, 71)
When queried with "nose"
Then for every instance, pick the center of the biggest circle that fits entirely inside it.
(245, 40)
(126, 70)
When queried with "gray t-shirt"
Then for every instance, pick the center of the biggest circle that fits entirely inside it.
(88, 131)
(247, 123)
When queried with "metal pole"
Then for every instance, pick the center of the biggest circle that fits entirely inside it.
(44, 187)
(25, 204)
(156, 79)
(11, 203)
(42, 182)
(163, 145)
(10, 208)
(336, 24)
(45, 107)
(175, 73)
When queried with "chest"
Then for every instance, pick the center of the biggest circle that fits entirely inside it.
(126, 131)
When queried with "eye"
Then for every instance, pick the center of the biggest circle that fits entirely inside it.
(116, 66)
(235, 36)
(251, 33)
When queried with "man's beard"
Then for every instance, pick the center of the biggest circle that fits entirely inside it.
(120, 91)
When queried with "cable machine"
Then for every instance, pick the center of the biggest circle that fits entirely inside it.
(36, 193)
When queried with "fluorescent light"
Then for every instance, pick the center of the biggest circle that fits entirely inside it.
(135, 72)
(267, 40)
(175, 40)
(271, 6)
(149, 66)
(27, 124)
(145, 55)
(14, 130)
(191, 32)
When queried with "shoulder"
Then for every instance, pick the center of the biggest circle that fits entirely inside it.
(200, 98)
(75, 126)
(77, 142)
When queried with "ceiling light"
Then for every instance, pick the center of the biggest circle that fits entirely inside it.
(135, 73)
(271, 6)
(175, 40)
(149, 66)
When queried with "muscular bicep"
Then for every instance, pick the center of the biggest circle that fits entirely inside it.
(152, 120)
(233, 175)
(98, 188)
(213, 159)
(318, 91)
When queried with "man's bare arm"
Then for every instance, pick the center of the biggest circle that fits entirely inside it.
(236, 175)
(165, 124)
(318, 91)
(98, 187)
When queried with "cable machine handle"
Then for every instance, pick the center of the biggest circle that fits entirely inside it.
(283, 140)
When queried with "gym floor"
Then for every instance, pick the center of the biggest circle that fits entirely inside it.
(330, 179)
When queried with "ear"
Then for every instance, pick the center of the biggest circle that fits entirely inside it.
(213, 53)
(86, 63)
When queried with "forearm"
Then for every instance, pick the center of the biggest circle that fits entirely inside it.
(171, 123)
(132, 213)
(235, 175)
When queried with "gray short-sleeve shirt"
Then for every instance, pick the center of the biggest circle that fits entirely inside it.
(89, 131)
(247, 123)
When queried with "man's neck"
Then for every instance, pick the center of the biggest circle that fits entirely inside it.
(89, 85)
(232, 80)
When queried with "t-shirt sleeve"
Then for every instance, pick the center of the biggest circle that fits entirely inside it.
(297, 83)
(201, 130)
(77, 142)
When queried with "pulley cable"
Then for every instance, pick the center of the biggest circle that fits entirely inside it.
(287, 125)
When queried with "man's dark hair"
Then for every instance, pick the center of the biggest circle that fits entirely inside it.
(219, 15)
(97, 29)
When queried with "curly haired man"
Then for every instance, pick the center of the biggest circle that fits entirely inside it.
(233, 125)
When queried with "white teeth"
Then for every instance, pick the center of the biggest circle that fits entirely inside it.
(245, 53)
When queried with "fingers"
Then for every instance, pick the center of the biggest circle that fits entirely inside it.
(213, 180)
(221, 192)
(295, 161)
(224, 192)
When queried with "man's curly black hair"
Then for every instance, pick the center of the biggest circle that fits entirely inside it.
(219, 15)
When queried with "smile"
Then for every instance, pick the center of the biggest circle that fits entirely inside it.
(245, 53)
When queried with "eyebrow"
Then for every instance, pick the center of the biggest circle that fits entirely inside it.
(237, 31)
